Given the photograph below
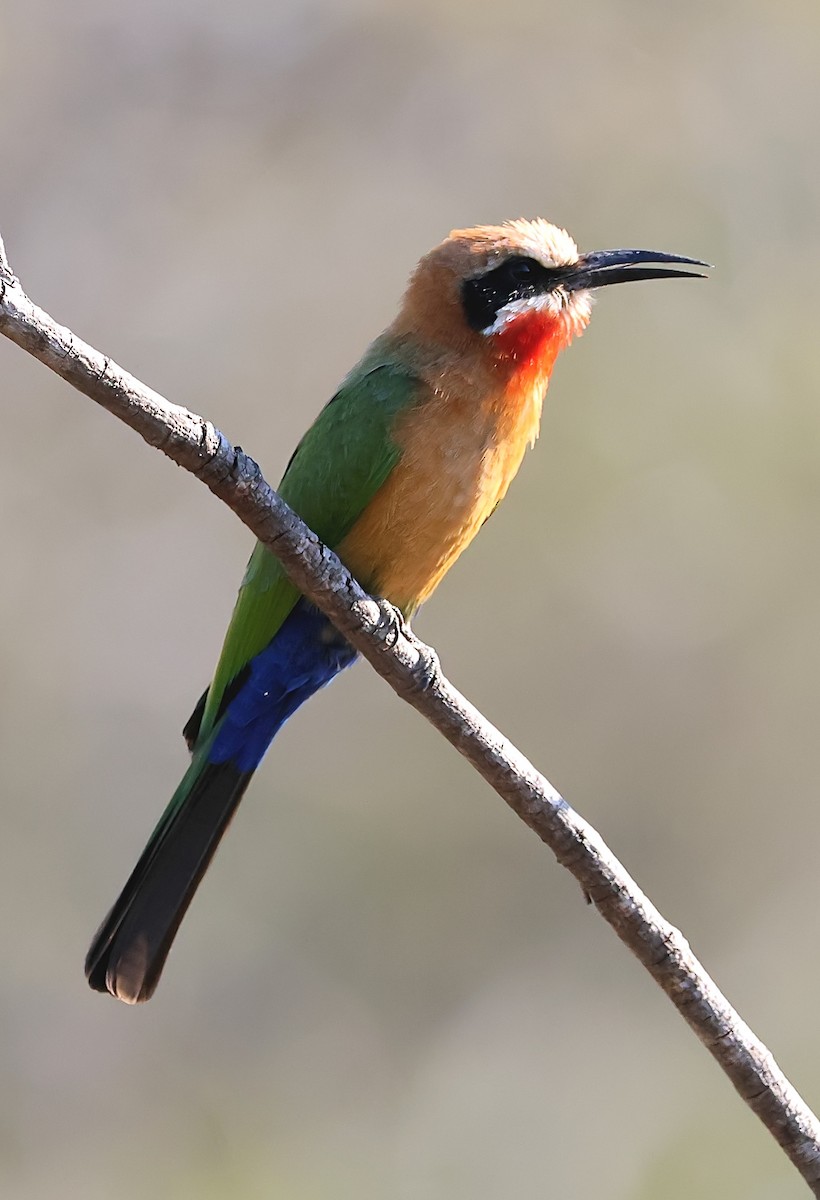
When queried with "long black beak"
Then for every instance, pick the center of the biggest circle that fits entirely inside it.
(600, 268)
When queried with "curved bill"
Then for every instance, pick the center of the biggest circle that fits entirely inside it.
(600, 268)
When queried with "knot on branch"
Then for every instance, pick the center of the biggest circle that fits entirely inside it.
(7, 276)
(218, 456)
(245, 470)
(224, 463)
(215, 446)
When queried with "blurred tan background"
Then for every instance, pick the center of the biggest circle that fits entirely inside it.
(386, 987)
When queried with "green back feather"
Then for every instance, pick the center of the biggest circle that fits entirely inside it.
(337, 468)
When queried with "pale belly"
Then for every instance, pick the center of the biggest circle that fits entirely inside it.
(455, 468)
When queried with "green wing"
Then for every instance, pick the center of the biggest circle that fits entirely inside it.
(337, 468)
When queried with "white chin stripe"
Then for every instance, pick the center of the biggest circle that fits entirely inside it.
(548, 302)
(574, 308)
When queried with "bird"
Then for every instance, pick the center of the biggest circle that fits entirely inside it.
(397, 475)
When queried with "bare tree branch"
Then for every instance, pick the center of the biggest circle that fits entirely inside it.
(412, 669)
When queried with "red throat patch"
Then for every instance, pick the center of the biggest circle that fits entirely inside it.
(531, 342)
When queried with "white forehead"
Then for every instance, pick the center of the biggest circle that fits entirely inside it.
(549, 245)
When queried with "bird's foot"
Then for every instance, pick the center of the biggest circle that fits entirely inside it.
(393, 627)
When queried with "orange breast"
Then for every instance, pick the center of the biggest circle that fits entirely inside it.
(458, 459)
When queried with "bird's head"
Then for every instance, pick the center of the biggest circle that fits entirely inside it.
(518, 292)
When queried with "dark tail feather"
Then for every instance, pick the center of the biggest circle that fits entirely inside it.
(190, 730)
(130, 948)
(193, 725)
(129, 951)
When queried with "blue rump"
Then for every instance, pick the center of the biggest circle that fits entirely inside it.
(304, 656)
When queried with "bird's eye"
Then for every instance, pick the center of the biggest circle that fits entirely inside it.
(523, 270)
